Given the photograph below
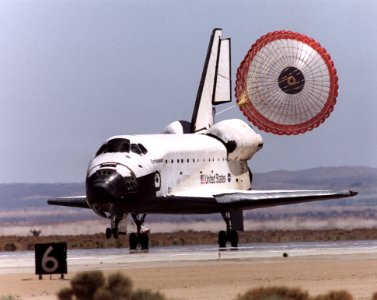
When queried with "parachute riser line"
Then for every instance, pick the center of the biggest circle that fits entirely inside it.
(226, 109)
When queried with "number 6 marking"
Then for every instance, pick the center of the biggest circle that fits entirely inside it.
(49, 260)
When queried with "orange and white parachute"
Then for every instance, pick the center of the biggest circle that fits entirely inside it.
(287, 83)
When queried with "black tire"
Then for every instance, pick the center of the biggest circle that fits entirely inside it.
(144, 241)
(233, 238)
(108, 233)
(132, 241)
(222, 239)
(116, 233)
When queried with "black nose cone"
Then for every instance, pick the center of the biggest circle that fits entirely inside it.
(106, 185)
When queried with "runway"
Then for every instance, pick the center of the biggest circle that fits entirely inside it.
(77, 260)
(202, 272)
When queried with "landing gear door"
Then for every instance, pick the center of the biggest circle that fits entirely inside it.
(236, 219)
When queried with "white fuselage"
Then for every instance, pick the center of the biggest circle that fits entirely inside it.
(182, 160)
(136, 168)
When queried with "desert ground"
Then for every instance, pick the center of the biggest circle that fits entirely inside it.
(222, 279)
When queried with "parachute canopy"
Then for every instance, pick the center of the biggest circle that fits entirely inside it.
(287, 83)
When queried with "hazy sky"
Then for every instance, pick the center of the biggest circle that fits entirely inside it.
(73, 73)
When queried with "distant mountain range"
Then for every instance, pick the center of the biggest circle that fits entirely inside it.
(359, 178)
(18, 201)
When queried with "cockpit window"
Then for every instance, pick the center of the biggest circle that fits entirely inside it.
(138, 149)
(135, 148)
(118, 145)
(143, 149)
(115, 145)
(121, 145)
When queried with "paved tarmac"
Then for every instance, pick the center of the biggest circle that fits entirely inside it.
(77, 260)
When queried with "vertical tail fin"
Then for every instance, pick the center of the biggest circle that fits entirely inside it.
(215, 84)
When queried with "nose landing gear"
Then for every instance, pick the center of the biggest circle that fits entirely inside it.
(114, 227)
(138, 239)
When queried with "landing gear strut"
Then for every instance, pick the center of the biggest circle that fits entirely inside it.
(229, 235)
(139, 238)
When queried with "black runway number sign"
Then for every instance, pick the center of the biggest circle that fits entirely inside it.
(51, 258)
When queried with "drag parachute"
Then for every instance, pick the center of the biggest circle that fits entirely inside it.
(286, 84)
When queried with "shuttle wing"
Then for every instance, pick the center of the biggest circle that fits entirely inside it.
(251, 199)
(79, 201)
(257, 199)
(214, 200)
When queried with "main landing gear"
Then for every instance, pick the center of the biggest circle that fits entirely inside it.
(229, 235)
(139, 239)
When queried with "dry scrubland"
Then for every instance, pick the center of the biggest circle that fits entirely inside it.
(20, 243)
(95, 286)
(304, 278)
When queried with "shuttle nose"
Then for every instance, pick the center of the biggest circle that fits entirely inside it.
(105, 185)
